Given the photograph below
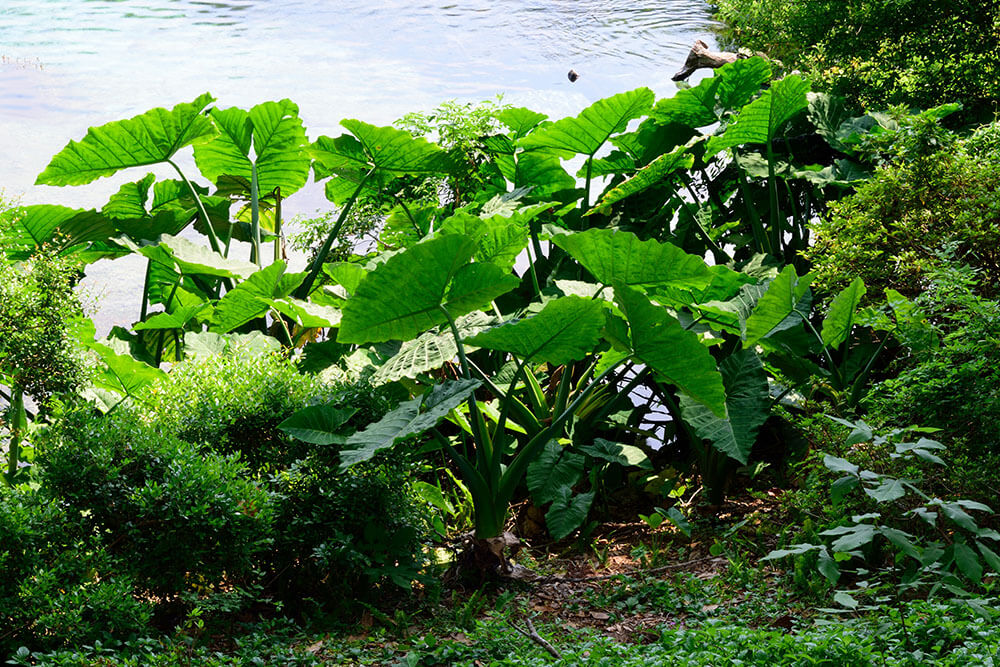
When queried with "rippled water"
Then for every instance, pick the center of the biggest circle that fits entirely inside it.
(69, 64)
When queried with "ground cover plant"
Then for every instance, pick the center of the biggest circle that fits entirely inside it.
(537, 417)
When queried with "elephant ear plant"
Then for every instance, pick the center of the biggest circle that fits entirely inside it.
(437, 282)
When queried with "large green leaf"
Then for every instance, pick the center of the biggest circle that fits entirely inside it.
(555, 468)
(121, 373)
(781, 300)
(617, 257)
(587, 132)
(839, 319)
(251, 298)
(318, 424)
(759, 121)
(431, 350)
(500, 239)
(403, 297)
(659, 341)
(647, 177)
(565, 330)
(520, 120)
(542, 171)
(133, 214)
(269, 136)
(747, 407)
(146, 139)
(384, 150)
(24, 229)
(567, 512)
(406, 420)
(191, 258)
(730, 87)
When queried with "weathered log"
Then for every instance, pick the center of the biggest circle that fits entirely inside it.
(700, 57)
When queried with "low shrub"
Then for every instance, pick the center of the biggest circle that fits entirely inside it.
(956, 386)
(234, 403)
(892, 231)
(60, 587)
(176, 513)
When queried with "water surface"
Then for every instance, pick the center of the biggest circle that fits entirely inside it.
(66, 65)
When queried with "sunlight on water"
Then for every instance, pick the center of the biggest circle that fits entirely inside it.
(68, 64)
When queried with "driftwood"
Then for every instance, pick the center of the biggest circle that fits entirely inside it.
(700, 57)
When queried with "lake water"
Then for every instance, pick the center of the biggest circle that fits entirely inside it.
(66, 65)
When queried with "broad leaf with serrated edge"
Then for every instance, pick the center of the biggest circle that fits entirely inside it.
(616, 257)
(402, 297)
(565, 330)
(146, 139)
(406, 420)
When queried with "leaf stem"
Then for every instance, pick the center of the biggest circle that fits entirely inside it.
(317, 264)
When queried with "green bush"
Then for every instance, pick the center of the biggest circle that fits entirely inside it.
(234, 404)
(892, 230)
(879, 53)
(345, 535)
(60, 587)
(338, 534)
(177, 514)
(956, 386)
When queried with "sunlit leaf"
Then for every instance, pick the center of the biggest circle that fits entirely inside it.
(647, 177)
(269, 136)
(403, 297)
(759, 121)
(565, 330)
(587, 132)
(146, 139)
(617, 257)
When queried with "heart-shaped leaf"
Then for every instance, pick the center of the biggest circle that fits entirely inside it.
(149, 138)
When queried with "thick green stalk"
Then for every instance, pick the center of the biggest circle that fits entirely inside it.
(317, 265)
(517, 468)
(277, 224)
(772, 186)
(212, 238)
(255, 216)
(480, 434)
(760, 237)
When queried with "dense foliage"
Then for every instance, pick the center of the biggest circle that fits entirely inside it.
(513, 346)
(919, 53)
